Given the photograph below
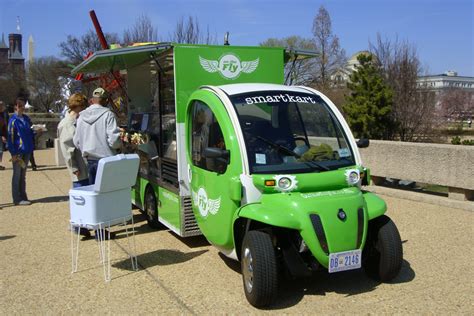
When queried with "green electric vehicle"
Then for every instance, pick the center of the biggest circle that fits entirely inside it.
(270, 174)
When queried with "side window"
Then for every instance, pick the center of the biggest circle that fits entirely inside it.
(206, 133)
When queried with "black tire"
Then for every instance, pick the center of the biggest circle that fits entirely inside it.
(259, 269)
(382, 257)
(151, 211)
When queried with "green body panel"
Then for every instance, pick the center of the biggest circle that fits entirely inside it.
(309, 182)
(375, 205)
(190, 74)
(210, 188)
(293, 210)
(167, 201)
(324, 194)
(169, 209)
(138, 192)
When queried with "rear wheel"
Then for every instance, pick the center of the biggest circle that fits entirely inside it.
(259, 269)
(383, 252)
(151, 211)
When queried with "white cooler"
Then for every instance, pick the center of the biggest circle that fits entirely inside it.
(108, 200)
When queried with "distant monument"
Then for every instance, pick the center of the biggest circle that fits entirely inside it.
(31, 50)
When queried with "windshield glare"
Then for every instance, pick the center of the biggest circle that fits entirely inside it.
(291, 132)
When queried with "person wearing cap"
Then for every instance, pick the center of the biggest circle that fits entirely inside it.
(97, 134)
(20, 145)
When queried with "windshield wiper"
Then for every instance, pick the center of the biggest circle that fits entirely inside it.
(278, 146)
(316, 164)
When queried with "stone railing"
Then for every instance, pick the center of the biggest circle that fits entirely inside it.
(51, 121)
(446, 165)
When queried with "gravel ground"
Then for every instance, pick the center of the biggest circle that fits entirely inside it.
(187, 276)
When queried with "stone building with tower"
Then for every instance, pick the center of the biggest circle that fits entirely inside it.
(12, 62)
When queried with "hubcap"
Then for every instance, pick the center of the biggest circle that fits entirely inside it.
(247, 270)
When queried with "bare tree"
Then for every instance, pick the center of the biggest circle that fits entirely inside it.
(10, 89)
(331, 55)
(297, 71)
(456, 104)
(189, 32)
(44, 83)
(413, 108)
(75, 49)
(142, 31)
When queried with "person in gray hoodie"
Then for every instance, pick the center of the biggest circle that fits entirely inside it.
(97, 134)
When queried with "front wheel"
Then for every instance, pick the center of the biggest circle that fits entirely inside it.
(383, 251)
(259, 269)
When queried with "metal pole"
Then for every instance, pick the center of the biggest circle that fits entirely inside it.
(98, 29)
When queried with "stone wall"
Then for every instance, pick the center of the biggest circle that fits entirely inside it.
(446, 165)
(51, 120)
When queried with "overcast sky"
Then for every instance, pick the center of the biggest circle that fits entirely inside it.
(442, 31)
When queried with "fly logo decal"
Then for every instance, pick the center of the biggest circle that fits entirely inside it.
(229, 66)
(204, 204)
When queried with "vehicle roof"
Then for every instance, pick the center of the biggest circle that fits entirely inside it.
(238, 88)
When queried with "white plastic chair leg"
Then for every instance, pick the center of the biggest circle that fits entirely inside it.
(74, 249)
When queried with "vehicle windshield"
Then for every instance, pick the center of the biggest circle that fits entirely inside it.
(291, 132)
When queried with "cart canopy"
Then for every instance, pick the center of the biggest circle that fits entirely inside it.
(117, 59)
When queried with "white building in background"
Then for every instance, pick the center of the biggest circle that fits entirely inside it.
(341, 76)
(443, 82)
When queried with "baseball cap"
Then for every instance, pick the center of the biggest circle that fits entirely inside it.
(99, 93)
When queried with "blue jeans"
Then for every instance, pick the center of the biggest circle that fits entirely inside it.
(81, 183)
(92, 166)
(19, 180)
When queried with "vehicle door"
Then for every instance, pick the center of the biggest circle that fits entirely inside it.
(214, 164)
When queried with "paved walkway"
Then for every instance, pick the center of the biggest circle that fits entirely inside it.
(187, 276)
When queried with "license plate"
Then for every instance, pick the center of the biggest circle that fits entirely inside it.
(347, 260)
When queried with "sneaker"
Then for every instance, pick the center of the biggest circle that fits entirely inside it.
(24, 202)
(106, 235)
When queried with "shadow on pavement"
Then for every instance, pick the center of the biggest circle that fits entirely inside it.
(192, 242)
(52, 199)
(230, 263)
(47, 168)
(7, 237)
(162, 257)
(349, 283)
(141, 227)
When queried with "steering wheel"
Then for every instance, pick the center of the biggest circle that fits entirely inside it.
(301, 138)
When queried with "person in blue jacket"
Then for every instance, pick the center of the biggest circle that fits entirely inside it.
(20, 145)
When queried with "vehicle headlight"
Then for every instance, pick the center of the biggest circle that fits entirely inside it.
(352, 176)
(284, 183)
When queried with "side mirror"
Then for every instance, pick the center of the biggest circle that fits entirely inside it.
(214, 152)
(219, 159)
(363, 143)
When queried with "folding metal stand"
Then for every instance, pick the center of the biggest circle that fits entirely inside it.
(104, 243)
